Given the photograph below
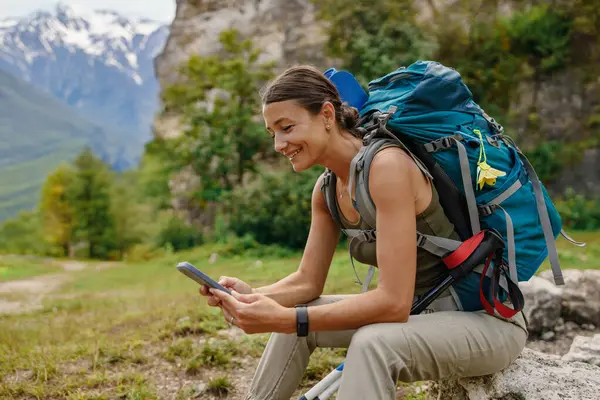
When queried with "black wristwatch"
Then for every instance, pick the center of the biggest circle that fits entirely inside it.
(302, 320)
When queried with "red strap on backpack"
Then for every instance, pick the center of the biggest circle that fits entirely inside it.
(464, 251)
(514, 293)
(486, 245)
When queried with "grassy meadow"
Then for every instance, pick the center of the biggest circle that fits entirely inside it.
(140, 330)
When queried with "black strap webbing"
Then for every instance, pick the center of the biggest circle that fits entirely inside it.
(328, 190)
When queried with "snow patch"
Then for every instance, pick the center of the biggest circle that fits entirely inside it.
(132, 59)
(8, 23)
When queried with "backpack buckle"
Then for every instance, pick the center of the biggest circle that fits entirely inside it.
(421, 239)
(440, 144)
(499, 129)
(494, 140)
(368, 236)
(360, 165)
(486, 210)
(369, 136)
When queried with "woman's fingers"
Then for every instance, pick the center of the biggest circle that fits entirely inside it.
(213, 301)
(204, 290)
(226, 314)
(228, 281)
(236, 284)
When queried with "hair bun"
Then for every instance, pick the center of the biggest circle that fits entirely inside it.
(349, 117)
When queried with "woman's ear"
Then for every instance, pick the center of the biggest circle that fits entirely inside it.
(328, 113)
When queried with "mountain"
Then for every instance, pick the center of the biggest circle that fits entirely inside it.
(98, 62)
(37, 132)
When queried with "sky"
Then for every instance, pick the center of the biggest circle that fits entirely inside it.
(158, 10)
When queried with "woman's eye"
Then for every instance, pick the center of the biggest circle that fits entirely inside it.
(287, 128)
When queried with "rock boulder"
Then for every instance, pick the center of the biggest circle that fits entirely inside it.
(585, 349)
(533, 376)
(543, 305)
(581, 295)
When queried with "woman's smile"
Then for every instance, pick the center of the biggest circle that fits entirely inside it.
(294, 154)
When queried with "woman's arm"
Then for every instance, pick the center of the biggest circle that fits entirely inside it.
(393, 181)
(308, 281)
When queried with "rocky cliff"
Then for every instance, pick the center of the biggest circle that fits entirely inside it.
(286, 31)
(566, 108)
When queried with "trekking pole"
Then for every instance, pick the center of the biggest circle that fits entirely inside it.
(317, 392)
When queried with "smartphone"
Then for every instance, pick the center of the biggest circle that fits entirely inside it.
(193, 273)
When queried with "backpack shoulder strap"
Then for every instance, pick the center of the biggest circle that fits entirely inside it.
(328, 190)
(359, 175)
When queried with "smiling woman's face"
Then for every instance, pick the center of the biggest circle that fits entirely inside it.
(298, 134)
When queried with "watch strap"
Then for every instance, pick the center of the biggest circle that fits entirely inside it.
(302, 320)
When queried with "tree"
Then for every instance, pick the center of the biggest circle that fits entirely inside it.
(130, 212)
(543, 37)
(94, 223)
(56, 209)
(218, 103)
(23, 234)
(374, 37)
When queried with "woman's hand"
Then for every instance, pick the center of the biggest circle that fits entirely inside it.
(233, 284)
(255, 313)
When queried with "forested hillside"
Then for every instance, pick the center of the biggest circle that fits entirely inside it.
(37, 132)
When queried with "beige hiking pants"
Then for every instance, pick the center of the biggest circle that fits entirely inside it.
(428, 347)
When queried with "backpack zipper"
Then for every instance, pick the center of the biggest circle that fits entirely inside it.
(401, 75)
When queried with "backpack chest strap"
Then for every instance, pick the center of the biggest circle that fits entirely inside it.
(435, 245)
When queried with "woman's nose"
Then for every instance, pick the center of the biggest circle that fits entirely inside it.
(279, 144)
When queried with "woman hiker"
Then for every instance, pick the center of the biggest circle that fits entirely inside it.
(310, 126)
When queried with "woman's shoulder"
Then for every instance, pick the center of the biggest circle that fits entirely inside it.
(394, 171)
(389, 172)
(392, 159)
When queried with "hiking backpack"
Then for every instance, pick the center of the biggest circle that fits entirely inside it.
(485, 183)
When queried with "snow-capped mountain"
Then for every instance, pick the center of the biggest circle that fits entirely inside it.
(99, 62)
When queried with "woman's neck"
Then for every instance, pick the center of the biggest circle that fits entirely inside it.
(344, 147)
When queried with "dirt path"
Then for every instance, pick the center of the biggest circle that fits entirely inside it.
(26, 295)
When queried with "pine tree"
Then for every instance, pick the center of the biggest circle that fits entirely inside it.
(94, 223)
(56, 209)
(131, 215)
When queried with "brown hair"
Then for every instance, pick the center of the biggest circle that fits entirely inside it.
(311, 89)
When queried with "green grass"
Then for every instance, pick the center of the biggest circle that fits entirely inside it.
(573, 257)
(123, 318)
(220, 386)
(14, 267)
(116, 332)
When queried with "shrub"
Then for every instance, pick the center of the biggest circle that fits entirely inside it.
(219, 386)
(578, 212)
(275, 210)
(177, 235)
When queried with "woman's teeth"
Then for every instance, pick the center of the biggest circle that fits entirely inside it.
(294, 154)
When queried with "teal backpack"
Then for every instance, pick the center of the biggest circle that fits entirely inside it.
(486, 184)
